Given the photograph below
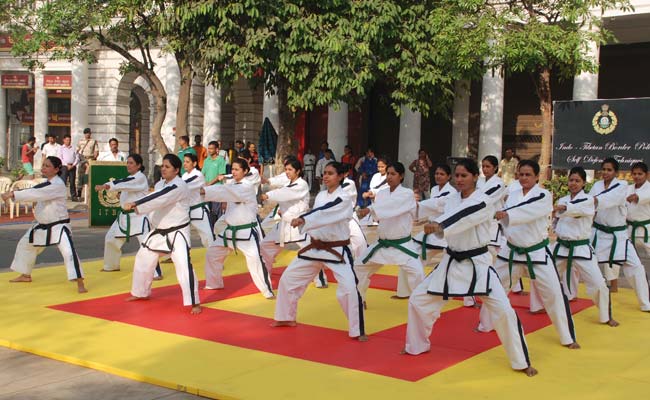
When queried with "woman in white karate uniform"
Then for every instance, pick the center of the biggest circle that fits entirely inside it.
(432, 208)
(328, 227)
(495, 189)
(394, 209)
(377, 183)
(525, 224)
(609, 236)
(127, 224)
(574, 215)
(275, 182)
(242, 232)
(358, 241)
(168, 208)
(52, 228)
(638, 208)
(293, 201)
(199, 209)
(465, 271)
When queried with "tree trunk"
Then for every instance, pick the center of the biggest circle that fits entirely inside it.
(160, 96)
(286, 131)
(183, 101)
(545, 105)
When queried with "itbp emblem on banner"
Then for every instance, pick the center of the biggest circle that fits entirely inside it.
(604, 121)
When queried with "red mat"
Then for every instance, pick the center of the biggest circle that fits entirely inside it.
(453, 338)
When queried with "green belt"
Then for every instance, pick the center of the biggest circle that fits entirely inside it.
(639, 224)
(569, 244)
(200, 205)
(275, 211)
(127, 214)
(424, 247)
(611, 230)
(524, 250)
(394, 243)
(234, 229)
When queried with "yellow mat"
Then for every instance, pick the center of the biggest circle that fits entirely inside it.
(613, 363)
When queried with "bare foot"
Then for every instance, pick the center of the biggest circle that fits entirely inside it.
(573, 300)
(362, 338)
(22, 278)
(158, 278)
(109, 270)
(271, 298)
(612, 323)
(521, 293)
(573, 346)
(81, 288)
(325, 286)
(477, 330)
(530, 371)
(196, 309)
(403, 351)
(542, 311)
(136, 298)
(396, 297)
(212, 288)
(365, 306)
(280, 324)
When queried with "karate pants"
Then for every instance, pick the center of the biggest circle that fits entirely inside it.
(145, 264)
(358, 244)
(634, 272)
(412, 271)
(547, 282)
(204, 228)
(113, 249)
(300, 273)
(596, 287)
(424, 310)
(216, 255)
(26, 253)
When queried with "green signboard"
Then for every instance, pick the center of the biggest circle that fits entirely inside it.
(104, 205)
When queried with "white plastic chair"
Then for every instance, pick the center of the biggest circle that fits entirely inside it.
(5, 186)
(20, 185)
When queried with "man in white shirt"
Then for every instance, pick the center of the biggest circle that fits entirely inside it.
(114, 154)
(51, 148)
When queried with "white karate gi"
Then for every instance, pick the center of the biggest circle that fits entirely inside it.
(377, 183)
(358, 241)
(199, 210)
(274, 217)
(574, 225)
(495, 190)
(309, 161)
(614, 249)
(639, 214)
(329, 221)
(126, 225)
(242, 233)
(168, 208)
(432, 208)
(52, 227)
(293, 201)
(465, 271)
(395, 211)
(527, 226)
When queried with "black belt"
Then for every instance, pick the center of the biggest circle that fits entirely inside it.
(167, 231)
(48, 228)
(460, 256)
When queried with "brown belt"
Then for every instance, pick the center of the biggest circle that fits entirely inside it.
(327, 246)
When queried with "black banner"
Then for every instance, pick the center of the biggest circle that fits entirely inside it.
(586, 132)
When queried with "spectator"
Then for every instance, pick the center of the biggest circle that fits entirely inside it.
(255, 158)
(239, 147)
(421, 168)
(508, 166)
(51, 148)
(69, 161)
(367, 169)
(348, 159)
(184, 143)
(323, 148)
(201, 152)
(114, 154)
(223, 152)
(88, 150)
(27, 157)
(214, 167)
(310, 164)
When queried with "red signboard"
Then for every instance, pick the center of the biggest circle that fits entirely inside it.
(5, 42)
(52, 119)
(16, 81)
(57, 81)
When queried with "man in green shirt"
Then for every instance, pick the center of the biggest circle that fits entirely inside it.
(184, 143)
(214, 167)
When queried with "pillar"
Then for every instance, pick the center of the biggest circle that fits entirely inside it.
(460, 120)
(40, 108)
(79, 101)
(211, 114)
(410, 127)
(490, 140)
(337, 128)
